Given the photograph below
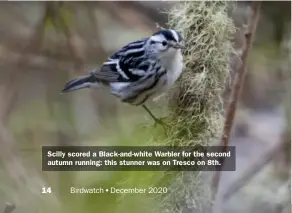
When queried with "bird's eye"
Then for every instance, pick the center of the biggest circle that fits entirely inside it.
(164, 43)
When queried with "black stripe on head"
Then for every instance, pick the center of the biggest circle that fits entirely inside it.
(169, 35)
(180, 38)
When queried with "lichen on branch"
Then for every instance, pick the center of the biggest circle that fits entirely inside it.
(195, 101)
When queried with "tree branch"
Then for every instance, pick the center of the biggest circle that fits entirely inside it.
(236, 88)
(253, 170)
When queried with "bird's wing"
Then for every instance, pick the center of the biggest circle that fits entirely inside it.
(145, 87)
(126, 65)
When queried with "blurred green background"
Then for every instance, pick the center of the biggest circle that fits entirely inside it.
(44, 44)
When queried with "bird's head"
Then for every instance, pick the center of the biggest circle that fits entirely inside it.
(165, 43)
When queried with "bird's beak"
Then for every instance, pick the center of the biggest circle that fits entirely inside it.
(179, 46)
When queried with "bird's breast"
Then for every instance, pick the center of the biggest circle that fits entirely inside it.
(174, 69)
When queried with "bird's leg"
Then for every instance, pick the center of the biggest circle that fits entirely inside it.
(155, 119)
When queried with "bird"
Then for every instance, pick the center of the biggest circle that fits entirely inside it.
(139, 71)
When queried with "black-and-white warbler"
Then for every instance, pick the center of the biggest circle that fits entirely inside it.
(139, 71)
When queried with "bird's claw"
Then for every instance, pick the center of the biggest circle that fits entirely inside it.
(163, 124)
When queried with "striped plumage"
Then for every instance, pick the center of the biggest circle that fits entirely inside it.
(140, 70)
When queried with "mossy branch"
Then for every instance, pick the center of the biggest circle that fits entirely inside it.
(195, 102)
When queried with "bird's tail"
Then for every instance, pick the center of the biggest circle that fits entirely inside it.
(85, 81)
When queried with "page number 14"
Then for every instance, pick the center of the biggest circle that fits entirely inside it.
(46, 190)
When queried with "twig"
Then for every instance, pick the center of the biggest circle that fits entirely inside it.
(236, 88)
(9, 208)
(253, 170)
(159, 27)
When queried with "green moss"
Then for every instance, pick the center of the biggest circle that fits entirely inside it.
(195, 103)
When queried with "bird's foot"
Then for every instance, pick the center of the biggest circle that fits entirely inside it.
(160, 122)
